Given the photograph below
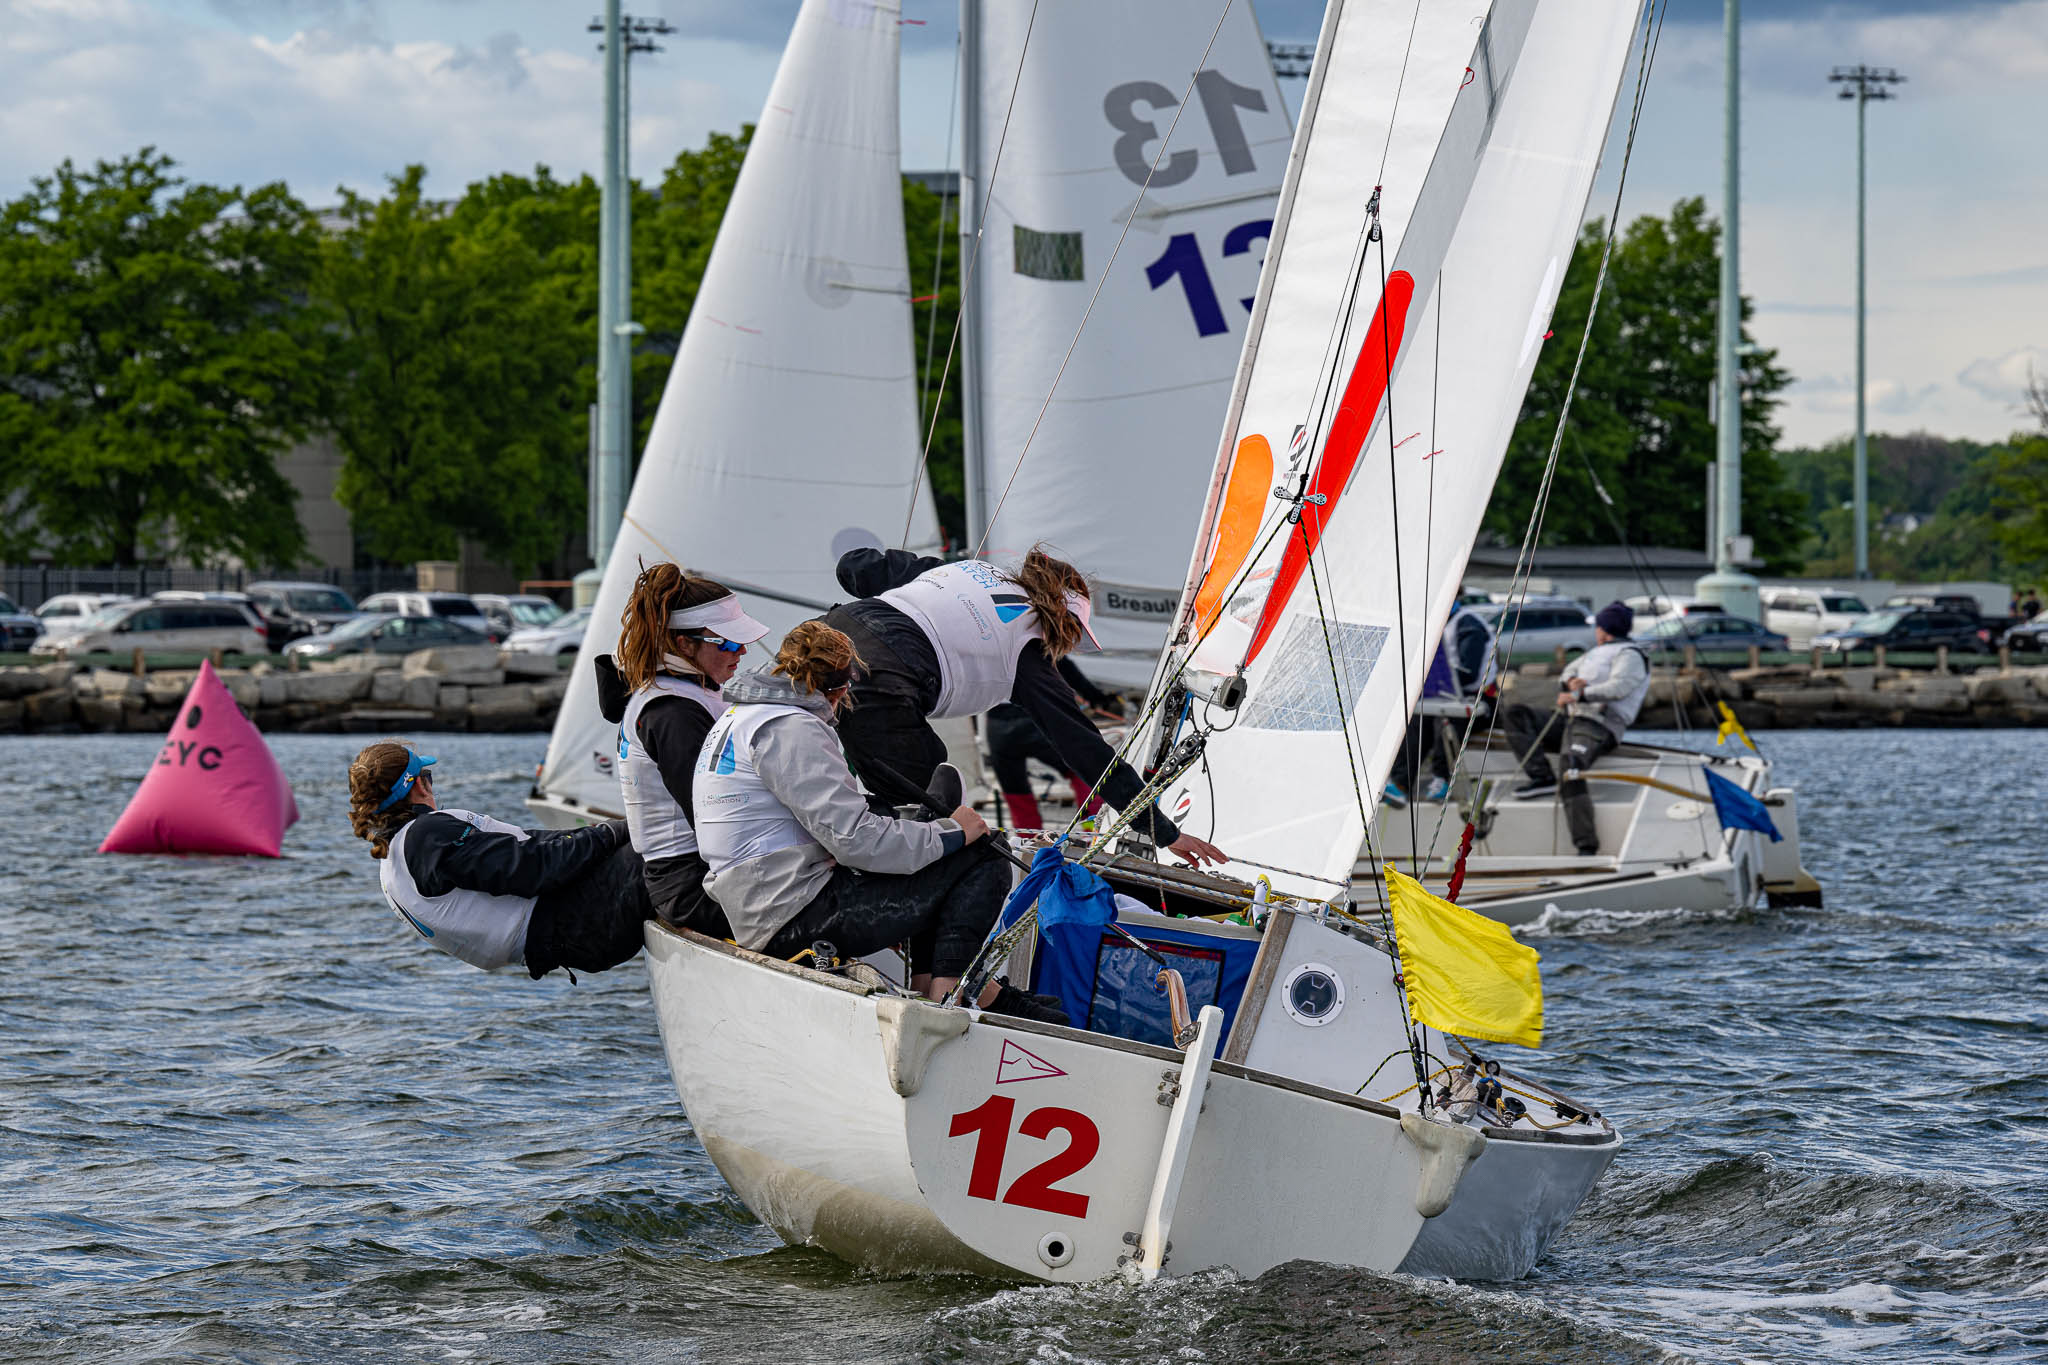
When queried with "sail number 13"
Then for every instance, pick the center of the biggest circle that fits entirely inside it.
(1035, 1188)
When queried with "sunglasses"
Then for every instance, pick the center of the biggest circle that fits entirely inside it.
(724, 646)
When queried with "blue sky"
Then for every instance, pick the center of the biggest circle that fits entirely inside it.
(322, 93)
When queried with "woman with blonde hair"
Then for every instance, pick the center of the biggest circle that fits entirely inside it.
(798, 857)
(959, 639)
(681, 639)
(489, 893)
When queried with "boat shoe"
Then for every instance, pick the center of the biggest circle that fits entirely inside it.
(1043, 1009)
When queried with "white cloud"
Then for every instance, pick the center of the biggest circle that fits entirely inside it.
(2005, 378)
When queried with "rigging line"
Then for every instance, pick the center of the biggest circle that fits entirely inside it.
(1103, 279)
(1394, 517)
(973, 262)
(931, 329)
(1400, 84)
(1379, 880)
(1653, 33)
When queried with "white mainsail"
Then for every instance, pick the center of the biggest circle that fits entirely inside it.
(788, 431)
(1135, 414)
(1475, 135)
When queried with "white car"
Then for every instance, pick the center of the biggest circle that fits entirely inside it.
(1656, 607)
(456, 606)
(1799, 614)
(180, 627)
(517, 611)
(561, 637)
(69, 611)
(1538, 625)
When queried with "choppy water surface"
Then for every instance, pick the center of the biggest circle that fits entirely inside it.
(244, 1115)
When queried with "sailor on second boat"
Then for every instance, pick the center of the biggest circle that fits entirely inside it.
(957, 639)
(681, 639)
(1599, 694)
(798, 857)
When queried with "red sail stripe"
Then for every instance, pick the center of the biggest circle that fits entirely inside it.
(1362, 397)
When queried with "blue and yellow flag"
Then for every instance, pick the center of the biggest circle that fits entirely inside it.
(1731, 726)
(1466, 973)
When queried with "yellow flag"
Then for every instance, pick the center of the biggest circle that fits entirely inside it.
(1732, 726)
(1466, 973)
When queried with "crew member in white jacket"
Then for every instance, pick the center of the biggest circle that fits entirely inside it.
(1598, 696)
(797, 856)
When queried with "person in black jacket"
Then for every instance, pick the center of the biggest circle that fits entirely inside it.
(1014, 739)
(681, 639)
(952, 639)
(491, 893)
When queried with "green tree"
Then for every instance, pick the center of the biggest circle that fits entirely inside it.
(1931, 504)
(458, 412)
(932, 226)
(2018, 478)
(157, 353)
(1640, 429)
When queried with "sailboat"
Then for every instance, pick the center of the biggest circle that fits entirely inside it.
(1067, 106)
(788, 431)
(1250, 1126)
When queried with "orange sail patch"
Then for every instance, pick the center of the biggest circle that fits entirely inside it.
(1244, 501)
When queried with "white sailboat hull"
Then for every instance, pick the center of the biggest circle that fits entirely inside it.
(905, 1137)
(1660, 850)
(1511, 1205)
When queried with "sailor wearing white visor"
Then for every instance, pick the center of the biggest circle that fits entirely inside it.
(941, 640)
(681, 638)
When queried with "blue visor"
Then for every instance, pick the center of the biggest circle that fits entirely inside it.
(402, 788)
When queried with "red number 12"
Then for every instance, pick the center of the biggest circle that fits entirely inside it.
(1034, 1189)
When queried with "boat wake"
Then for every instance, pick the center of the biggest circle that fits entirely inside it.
(1558, 922)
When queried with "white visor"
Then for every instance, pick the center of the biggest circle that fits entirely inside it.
(1081, 607)
(721, 616)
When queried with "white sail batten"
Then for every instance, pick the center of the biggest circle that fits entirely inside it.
(1489, 124)
(788, 430)
(1111, 480)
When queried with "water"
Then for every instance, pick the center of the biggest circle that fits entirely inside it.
(244, 1115)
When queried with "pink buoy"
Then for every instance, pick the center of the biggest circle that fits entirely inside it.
(215, 786)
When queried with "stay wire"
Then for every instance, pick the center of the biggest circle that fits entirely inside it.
(973, 264)
(988, 526)
(1524, 559)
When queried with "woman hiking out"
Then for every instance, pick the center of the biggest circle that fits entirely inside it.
(681, 639)
(798, 857)
(489, 893)
(943, 640)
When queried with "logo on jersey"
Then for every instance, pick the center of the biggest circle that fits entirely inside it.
(1009, 605)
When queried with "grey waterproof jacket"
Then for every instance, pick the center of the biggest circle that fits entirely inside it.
(799, 763)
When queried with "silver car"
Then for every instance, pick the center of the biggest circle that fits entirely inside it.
(180, 627)
(456, 606)
(1538, 625)
(561, 637)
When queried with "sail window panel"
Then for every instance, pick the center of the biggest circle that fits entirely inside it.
(1047, 255)
(1298, 693)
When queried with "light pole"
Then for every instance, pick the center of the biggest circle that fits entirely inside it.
(611, 427)
(1862, 84)
(1728, 585)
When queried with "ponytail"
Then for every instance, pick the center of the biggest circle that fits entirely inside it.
(644, 633)
(370, 779)
(1046, 582)
(817, 658)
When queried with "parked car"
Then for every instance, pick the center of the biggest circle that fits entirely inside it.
(68, 611)
(1961, 602)
(1799, 614)
(1538, 625)
(385, 633)
(1708, 632)
(174, 626)
(1655, 607)
(18, 629)
(295, 610)
(1909, 628)
(561, 637)
(2029, 637)
(457, 607)
(516, 612)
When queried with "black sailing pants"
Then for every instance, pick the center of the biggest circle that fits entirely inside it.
(591, 924)
(944, 910)
(1580, 740)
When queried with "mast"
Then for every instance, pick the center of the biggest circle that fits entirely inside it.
(971, 196)
(608, 485)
